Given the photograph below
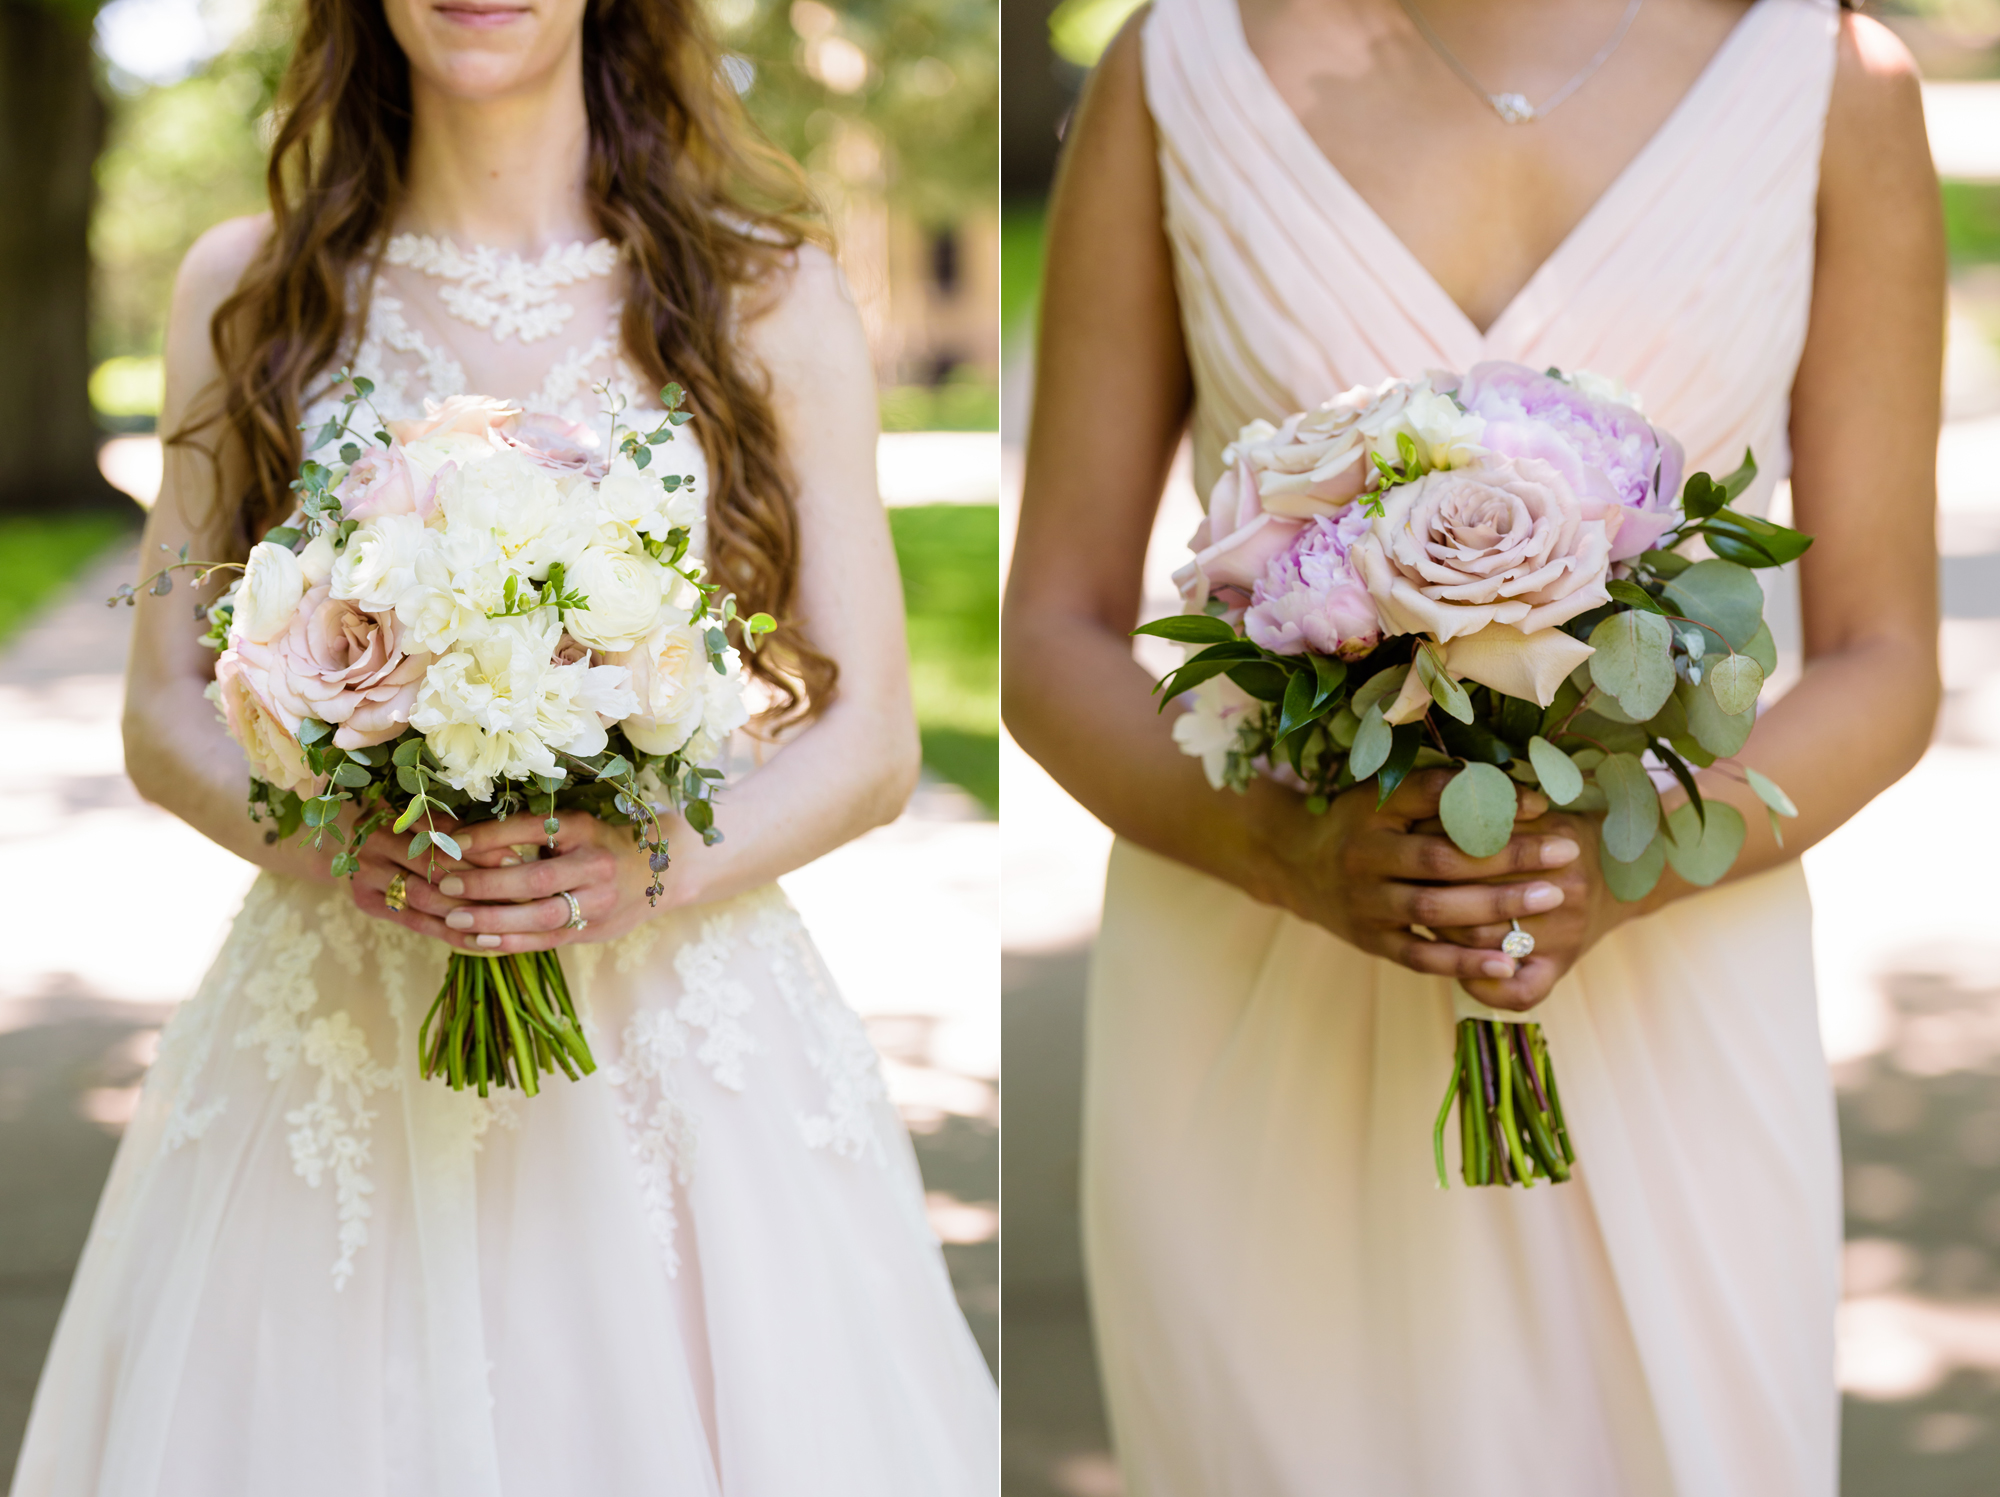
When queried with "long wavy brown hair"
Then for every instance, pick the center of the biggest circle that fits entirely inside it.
(708, 212)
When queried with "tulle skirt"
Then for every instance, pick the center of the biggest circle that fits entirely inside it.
(703, 1270)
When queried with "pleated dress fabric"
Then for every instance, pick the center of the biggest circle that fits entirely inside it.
(703, 1271)
(1286, 1304)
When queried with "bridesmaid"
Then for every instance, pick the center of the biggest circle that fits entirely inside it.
(1732, 209)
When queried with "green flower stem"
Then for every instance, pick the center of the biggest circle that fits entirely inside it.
(503, 1021)
(1444, 1112)
(1511, 1129)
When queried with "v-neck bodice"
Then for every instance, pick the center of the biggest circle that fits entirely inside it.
(1690, 278)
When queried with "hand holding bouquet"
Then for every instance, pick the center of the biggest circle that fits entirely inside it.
(1485, 572)
(476, 615)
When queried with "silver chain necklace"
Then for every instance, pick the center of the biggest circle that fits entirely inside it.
(1514, 108)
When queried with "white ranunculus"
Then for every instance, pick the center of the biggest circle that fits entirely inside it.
(622, 592)
(378, 565)
(317, 560)
(269, 593)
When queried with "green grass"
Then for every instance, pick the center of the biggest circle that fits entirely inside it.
(40, 556)
(950, 557)
(957, 405)
(1972, 222)
(1023, 223)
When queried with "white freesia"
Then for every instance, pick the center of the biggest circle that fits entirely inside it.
(269, 593)
(635, 496)
(622, 591)
(1210, 728)
(378, 565)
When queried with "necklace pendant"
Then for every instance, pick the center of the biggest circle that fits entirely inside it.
(1512, 108)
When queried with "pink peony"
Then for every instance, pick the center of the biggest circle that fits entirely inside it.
(344, 665)
(1310, 596)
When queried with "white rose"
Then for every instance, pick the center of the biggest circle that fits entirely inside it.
(269, 593)
(378, 565)
(622, 591)
(666, 668)
(317, 560)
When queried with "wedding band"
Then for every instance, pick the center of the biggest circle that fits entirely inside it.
(576, 920)
(1517, 943)
(397, 895)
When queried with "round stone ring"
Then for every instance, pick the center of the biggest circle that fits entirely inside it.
(1517, 943)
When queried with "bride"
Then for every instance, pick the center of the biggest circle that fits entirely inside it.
(1729, 207)
(706, 1269)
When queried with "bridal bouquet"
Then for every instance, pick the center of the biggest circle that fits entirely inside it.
(474, 615)
(1485, 571)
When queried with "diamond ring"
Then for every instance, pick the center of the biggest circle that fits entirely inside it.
(577, 922)
(1517, 943)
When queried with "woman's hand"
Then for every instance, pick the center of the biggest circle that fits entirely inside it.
(494, 901)
(1587, 913)
(1369, 875)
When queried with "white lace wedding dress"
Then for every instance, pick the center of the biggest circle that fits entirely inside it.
(705, 1270)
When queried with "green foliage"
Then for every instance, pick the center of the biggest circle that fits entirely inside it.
(1023, 229)
(959, 404)
(1701, 849)
(1477, 809)
(1635, 879)
(1634, 813)
(1559, 776)
(40, 556)
(930, 90)
(1972, 222)
(1634, 661)
(950, 560)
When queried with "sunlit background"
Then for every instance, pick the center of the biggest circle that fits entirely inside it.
(131, 128)
(1907, 896)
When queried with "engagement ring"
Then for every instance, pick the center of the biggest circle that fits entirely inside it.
(1517, 943)
(577, 922)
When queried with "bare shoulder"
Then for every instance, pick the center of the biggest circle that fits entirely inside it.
(1119, 79)
(214, 264)
(1877, 107)
(803, 319)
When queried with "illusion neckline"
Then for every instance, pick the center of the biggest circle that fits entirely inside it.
(502, 292)
(1621, 184)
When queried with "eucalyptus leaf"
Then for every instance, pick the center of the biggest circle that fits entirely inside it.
(446, 844)
(1634, 813)
(1616, 738)
(1382, 684)
(1634, 661)
(1372, 742)
(1770, 794)
(351, 775)
(1701, 854)
(1477, 809)
(1561, 779)
(1685, 745)
(410, 813)
(1763, 649)
(1723, 596)
(1446, 692)
(421, 842)
(1735, 680)
(1635, 879)
(1670, 722)
(1714, 729)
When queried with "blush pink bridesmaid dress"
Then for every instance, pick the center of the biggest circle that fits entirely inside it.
(1286, 1304)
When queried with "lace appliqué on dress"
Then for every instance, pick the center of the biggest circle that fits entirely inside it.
(508, 296)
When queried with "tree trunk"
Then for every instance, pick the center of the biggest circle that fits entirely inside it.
(51, 125)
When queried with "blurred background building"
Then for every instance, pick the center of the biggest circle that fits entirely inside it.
(128, 129)
(1905, 895)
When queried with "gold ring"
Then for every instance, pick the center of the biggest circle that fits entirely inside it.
(397, 895)
(576, 920)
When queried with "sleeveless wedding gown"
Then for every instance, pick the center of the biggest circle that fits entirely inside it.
(1286, 1304)
(704, 1271)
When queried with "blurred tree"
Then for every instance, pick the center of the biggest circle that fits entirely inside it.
(924, 75)
(51, 125)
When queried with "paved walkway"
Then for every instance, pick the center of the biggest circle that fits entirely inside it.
(118, 908)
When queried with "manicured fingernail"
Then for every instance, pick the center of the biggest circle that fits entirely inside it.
(1556, 851)
(1542, 897)
(452, 885)
(1498, 966)
(508, 860)
(459, 920)
(489, 942)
